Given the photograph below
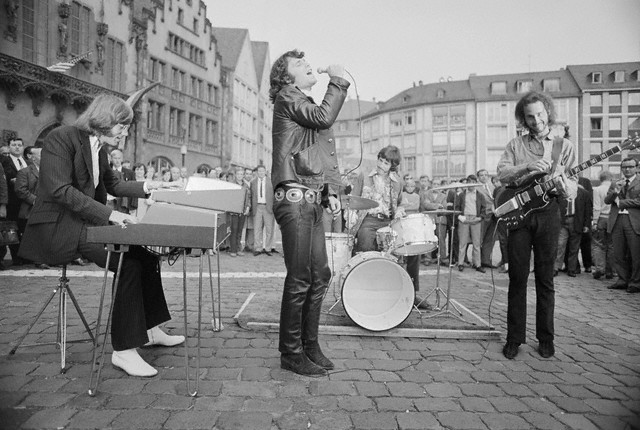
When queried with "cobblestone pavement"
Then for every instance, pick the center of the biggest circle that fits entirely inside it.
(593, 382)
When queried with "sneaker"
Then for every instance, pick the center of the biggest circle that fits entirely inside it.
(510, 350)
(300, 364)
(546, 349)
(480, 269)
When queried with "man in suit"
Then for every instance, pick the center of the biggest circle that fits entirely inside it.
(121, 204)
(75, 178)
(26, 189)
(262, 211)
(12, 163)
(473, 210)
(576, 219)
(624, 226)
(4, 198)
(489, 232)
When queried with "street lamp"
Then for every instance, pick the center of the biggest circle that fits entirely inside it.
(183, 151)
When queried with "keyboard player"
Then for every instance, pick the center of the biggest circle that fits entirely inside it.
(75, 178)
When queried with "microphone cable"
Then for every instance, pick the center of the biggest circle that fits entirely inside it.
(355, 87)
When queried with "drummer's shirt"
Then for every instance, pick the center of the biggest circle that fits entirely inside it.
(380, 189)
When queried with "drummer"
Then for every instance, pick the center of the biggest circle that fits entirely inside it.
(384, 186)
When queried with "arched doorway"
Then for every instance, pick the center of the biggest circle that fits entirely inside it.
(159, 163)
(40, 140)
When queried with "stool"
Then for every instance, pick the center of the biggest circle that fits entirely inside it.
(61, 335)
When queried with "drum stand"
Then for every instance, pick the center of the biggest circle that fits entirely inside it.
(444, 311)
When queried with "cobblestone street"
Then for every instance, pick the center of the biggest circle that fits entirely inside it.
(593, 382)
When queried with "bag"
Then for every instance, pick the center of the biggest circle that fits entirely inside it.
(9, 233)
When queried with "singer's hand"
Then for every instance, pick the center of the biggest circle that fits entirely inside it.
(334, 70)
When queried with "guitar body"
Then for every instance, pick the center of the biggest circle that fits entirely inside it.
(532, 196)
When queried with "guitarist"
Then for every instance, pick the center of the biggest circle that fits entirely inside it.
(523, 156)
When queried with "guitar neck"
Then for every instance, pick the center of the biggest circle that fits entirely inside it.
(548, 185)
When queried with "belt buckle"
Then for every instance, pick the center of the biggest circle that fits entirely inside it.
(310, 196)
(294, 195)
(279, 195)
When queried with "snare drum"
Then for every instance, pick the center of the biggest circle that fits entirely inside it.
(385, 237)
(415, 235)
(377, 293)
(339, 247)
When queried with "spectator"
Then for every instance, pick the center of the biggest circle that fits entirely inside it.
(502, 229)
(237, 219)
(175, 174)
(601, 245)
(262, 211)
(473, 208)
(433, 200)
(12, 163)
(26, 189)
(248, 229)
(576, 218)
(624, 226)
(151, 171)
(121, 204)
(140, 172)
(165, 175)
(4, 198)
(126, 164)
(585, 239)
(202, 171)
(489, 222)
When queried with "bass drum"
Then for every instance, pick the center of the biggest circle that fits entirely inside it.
(377, 293)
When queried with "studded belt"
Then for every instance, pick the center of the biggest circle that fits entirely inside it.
(296, 195)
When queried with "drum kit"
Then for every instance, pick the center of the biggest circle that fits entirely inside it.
(376, 292)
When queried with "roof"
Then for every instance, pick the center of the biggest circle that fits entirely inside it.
(230, 42)
(481, 85)
(452, 91)
(350, 110)
(583, 75)
(260, 52)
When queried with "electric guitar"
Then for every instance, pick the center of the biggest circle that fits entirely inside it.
(515, 202)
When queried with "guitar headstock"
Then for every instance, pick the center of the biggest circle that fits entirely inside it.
(631, 143)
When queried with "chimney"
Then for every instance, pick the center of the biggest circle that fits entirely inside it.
(420, 83)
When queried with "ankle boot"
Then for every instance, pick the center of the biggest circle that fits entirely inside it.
(300, 364)
(316, 356)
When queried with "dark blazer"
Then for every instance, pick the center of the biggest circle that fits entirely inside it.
(583, 209)
(481, 203)
(4, 192)
(268, 188)
(125, 204)
(26, 188)
(10, 172)
(631, 203)
(67, 199)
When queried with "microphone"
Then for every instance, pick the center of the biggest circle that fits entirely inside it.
(321, 70)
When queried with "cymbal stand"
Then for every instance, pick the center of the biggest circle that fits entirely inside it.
(446, 311)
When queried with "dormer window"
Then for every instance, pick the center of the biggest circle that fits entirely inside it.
(551, 85)
(440, 93)
(596, 78)
(618, 76)
(498, 88)
(524, 86)
(405, 99)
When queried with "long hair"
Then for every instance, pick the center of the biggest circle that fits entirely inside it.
(104, 112)
(279, 76)
(392, 155)
(533, 97)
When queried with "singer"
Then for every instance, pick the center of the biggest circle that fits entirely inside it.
(305, 174)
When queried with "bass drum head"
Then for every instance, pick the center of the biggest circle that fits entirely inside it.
(377, 293)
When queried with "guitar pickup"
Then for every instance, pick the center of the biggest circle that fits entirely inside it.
(538, 190)
(523, 198)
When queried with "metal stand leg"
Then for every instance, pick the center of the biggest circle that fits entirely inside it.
(61, 333)
(121, 250)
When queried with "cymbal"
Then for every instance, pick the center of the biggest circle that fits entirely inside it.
(355, 202)
(454, 185)
(442, 212)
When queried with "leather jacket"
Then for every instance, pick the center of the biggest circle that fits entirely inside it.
(304, 149)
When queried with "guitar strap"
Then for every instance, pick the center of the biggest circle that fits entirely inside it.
(555, 152)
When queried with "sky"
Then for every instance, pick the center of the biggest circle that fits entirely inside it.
(387, 45)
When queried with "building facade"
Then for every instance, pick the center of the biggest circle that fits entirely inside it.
(247, 116)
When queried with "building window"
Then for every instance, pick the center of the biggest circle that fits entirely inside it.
(596, 123)
(405, 99)
(155, 115)
(396, 122)
(498, 88)
(114, 64)
(497, 112)
(458, 114)
(634, 99)
(195, 128)
(440, 93)
(634, 123)
(615, 123)
(524, 86)
(180, 16)
(409, 164)
(457, 165)
(551, 85)
(618, 76)
(156, 70)
(195, 25)
(595, 100)
(615, 99)
(440, 117)
(458, 140)
(185, 49)
(79, 20)
(497, 136)
(440, 141)
(596, 78)
(177, 125)
(28, 31)
(596, 148)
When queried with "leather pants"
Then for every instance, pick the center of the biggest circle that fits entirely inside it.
(308, 273)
